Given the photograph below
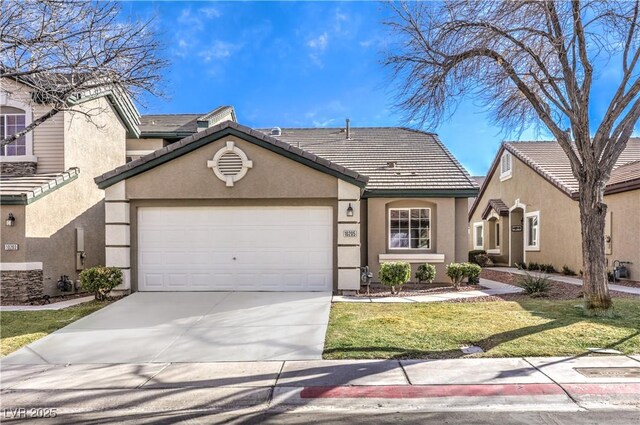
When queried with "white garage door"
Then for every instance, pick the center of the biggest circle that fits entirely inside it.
(235, 249)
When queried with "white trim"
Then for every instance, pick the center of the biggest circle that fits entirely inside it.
(412, 258)
(20, 266)
(493, 251)
(230, 148)
(496, 234)
(517, 204)
(389, 228)
(527, 216)
(28, 119)
(506, 175)
(475, 235)
(139, 152)
(19, 158)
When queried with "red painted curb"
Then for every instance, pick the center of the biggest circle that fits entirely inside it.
(603, 389)
(427, 391)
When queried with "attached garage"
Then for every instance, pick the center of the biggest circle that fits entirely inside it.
(235, 248)
(232, 209)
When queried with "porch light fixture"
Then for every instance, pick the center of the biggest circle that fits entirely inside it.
(11, 220)
(349, 210)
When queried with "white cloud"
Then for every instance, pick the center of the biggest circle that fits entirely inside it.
(319, 43)
(325, 123)
(217, 49)
(210, 12)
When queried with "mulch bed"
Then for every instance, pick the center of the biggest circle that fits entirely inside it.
(412, 289)
(629, 283)
(52, 299)
(558, 290)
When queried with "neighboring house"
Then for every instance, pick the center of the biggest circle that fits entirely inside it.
(158, 131)
(479, 181)
(527, 209)
(232, 208)
(47, 192)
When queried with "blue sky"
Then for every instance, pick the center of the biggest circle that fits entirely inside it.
(295, 64)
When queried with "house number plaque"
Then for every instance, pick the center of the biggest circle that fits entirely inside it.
(11, 247)
(350, 233)
(516, 228)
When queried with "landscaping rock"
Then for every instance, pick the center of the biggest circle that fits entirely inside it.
(473, 349)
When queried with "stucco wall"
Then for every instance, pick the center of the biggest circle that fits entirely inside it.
(272, 176)
(51, 222)
(145, 144)
(448, 230)
(13, 234)
(624, 211)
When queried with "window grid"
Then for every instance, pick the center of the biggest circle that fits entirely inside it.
(410, 228)
(11, 124)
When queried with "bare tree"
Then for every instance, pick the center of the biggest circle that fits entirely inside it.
(531, 62)
(64, 50)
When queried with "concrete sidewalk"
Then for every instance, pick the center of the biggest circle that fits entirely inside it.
(521, 384)
(565, 279)
(53, 306)
(492, 288)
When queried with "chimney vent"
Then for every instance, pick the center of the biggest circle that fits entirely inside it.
(392, 164)
(276, 131)
(348, 127)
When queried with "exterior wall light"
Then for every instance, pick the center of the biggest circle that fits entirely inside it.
(11, 220)
(349, 210)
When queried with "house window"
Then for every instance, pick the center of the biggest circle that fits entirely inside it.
(478, 235)
(11, 124)
(532, 223)
(497, 234)
(505, 166)
(410, 228)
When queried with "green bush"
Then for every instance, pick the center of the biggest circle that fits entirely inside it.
(100, 280)
(534, 267)
(458, 271)
(483, 260)
(547, 268)
(395, 274)
(426, 273)
(536, 286)
(473, 253)
(566, 270)
(472, 273)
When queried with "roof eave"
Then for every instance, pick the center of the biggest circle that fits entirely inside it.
(420, 193)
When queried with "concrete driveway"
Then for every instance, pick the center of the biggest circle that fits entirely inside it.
(166, 327)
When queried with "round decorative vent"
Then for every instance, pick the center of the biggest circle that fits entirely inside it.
(230, 164)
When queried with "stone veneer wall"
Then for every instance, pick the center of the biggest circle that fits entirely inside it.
(18, 168)
(21, 285)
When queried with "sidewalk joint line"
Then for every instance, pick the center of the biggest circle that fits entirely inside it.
(406, 375)
(574, 401)
(153, 376)
(274, 386)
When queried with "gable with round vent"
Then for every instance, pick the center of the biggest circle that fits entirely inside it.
(230, 164)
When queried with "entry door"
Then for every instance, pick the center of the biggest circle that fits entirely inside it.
(235, 249)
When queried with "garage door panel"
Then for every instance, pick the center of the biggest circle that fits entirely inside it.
(275, 248)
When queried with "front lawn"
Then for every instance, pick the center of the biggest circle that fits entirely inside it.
(19, 328)
(525, 327)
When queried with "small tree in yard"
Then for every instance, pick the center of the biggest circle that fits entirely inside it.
(532, 62)
(395, 275)
(66, 50)
(100, 280)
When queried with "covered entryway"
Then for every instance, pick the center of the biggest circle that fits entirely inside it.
(235, 248)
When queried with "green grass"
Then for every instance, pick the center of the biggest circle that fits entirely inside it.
(502, 329)
(19, 328)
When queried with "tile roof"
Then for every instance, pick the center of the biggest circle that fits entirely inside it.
(19, 190)
(182, 124)
(393, 158)
(550, 161)
(227, 127)
(498, 206)
(625, 177)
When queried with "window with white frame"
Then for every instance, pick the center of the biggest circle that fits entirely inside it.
(410, 228)
(505, 165)
(11, 124)
(497, 234)
(478, 235)
(532, 223)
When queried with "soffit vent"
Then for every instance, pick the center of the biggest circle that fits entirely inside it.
(230, 164)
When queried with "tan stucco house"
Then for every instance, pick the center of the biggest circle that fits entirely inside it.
(527, 208)
(234, 208)
(52, 212)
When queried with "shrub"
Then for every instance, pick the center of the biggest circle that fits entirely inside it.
(458, 271)
(611, 276)
(395, 274)
(566, 270)
(547, 268)
(100, 280)
(426, 273)
(521, 266)
(483, 260)
(455, 272)
(533, 266)
(536, 286)
(472, 273)
(473, 253)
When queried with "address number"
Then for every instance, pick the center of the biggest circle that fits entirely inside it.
(11, 247)
(350, 233)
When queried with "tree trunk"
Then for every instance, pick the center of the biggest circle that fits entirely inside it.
(593, 213)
